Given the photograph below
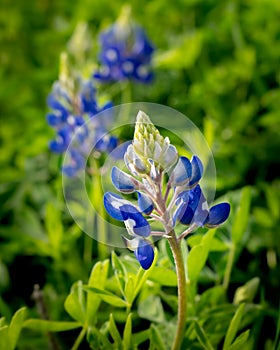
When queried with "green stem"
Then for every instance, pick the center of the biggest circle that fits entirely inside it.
(229, 266)
(182, 290)
(79, 339)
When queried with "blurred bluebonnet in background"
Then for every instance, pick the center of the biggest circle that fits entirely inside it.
(73, 115)
(126, 52)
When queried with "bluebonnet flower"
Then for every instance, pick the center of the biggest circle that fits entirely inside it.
(126, 52)
(72, 113)
(148, 158)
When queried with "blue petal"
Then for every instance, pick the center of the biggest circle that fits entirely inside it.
(182, 172)
(202, 210)
(197, 171)
(53, 119)
(122, 210)
(145, 203)
(113, 203)
(110, 55)
(119, 152)
(191, 207)
(77, 162)
(122, 181)
(60, 144)
(135, 222)
(103, 74)
(128, 67)
(144, 254)
(218, 214)
(112, 144)
(56, 105)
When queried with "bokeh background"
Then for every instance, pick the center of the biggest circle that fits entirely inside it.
(217, 62)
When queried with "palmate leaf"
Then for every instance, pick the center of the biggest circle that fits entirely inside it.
(151, 309)
(198, 255)
(163, 276)
(97, 340)
(75, 303)
(98, 279)
(106, 296)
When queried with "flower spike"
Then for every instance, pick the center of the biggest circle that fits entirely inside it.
(151, 158)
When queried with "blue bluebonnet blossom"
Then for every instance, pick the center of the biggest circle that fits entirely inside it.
(73, 112)
(126, 52)
(180, 199)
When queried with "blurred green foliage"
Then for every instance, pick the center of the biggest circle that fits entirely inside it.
(216, 62)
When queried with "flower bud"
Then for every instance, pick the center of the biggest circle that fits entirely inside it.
(149, 144)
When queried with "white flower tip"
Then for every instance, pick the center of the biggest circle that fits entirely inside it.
(143, 118)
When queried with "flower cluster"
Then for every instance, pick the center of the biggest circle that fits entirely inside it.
(126, 52)
(180, 199)
(73, 113)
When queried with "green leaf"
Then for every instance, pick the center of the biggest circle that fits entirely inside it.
(15, 327)
(176, 57)
(114, 332)
(129, 290)
(54, 228)
(50, 326)
(4, 337)
(98, 279)
(106, 296)
(242, 216)
(140, 337)
(75, 303)
(156, 341)
(2, 322)
(273, 201)
(119, 271)
(240, 341)
(198, 255)
(151, 309)
(163, 276)
(233, 327)
(202, 337)
(210, 298)
(127, 333)
(196, 260)
(207, 239)
(247, 292)
(97, 340)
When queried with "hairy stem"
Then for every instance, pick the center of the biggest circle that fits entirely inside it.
(182, 291)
